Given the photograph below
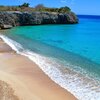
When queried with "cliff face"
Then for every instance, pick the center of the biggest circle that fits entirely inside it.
(11, 19)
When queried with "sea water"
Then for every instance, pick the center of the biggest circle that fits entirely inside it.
(68, 54)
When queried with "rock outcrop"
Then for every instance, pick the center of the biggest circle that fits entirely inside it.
(11, 19)
(4, 26)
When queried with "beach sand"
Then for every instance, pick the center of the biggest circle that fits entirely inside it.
(22, 79)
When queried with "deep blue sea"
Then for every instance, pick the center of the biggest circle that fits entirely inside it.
(66, 53)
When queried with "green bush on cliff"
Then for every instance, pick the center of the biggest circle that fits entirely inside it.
(9, 8)
(64, 9)
(39, 7)
(24, 5)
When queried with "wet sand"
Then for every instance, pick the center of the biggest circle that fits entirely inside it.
(25, 80)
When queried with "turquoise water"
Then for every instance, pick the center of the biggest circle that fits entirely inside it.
(76, 47)
(82, 39)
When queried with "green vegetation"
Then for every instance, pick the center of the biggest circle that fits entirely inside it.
(39, 7)
(24, 5)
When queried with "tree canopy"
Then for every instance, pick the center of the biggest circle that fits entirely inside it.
(24, 5)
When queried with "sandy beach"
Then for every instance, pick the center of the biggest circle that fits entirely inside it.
(21, 79)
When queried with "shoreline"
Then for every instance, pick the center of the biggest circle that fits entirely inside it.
(27, 79)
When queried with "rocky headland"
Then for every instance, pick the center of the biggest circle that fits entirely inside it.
(9, 19)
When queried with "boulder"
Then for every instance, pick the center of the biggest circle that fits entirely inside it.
(6, 26)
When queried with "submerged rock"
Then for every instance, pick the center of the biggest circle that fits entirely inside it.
(10, 19)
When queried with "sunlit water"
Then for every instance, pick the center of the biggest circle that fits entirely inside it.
(68, 54)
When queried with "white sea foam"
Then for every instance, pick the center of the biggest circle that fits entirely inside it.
(82, 87)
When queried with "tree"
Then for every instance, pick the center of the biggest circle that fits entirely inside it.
(24, 5)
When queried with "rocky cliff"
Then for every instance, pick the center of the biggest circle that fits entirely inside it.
(11, 19)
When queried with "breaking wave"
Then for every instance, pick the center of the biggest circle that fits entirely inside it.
(84, 88)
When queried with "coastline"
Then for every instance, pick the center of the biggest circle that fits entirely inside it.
(27, 79)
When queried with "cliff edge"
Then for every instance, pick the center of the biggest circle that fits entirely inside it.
(9, 19)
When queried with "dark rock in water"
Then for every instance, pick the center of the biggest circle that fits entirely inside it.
(11, 19)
